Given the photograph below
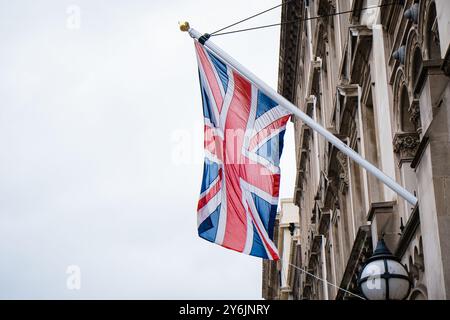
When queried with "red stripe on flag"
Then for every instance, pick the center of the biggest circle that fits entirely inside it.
(272, 253)
(211, 77)
(238, 114)
(211, 193)
(262, 178)
(267, 131)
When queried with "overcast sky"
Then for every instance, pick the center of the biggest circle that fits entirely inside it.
(101, 148)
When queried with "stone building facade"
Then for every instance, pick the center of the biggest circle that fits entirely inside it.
(379, 80)
(277, 283)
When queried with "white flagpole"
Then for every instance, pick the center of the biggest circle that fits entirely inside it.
(275, 96)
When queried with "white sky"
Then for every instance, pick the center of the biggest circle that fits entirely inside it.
(90, 132)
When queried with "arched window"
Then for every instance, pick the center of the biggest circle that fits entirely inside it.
(416, 67)
(405, 125)
(432, 34)
(406, 141)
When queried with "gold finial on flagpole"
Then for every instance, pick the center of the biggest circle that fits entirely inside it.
(184, 26)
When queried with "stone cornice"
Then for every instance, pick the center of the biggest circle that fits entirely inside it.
(362, 248)
(408, 233)
(420, 151)
(289, 47)
(426, 68)
(380, 207)
(361, 52)
(446, 63)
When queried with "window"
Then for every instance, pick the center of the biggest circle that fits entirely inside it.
(432, 41)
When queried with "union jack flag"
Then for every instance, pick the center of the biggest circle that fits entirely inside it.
(244, 131)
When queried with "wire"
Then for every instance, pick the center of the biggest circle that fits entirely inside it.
(219, 33)
(251, 17)
(284, 275)
(332, 284)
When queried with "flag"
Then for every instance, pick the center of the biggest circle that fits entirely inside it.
(243, 141)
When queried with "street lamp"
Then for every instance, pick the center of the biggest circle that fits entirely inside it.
(383, 277)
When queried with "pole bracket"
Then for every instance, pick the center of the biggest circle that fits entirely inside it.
(204, 38)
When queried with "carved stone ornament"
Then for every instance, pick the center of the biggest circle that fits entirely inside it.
(343, 174)
(406, 144)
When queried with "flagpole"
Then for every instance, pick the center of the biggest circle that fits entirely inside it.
(283, 102)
